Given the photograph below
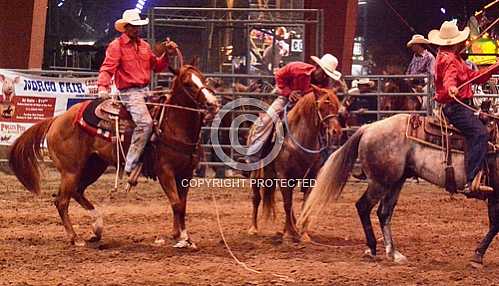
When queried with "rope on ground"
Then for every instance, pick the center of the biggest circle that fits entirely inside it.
(239, 262)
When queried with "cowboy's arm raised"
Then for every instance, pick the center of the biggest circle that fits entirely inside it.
(108, 67)
(161, 62)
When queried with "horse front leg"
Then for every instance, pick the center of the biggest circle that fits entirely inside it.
(493, 208)
(168, 183)
(184, 239)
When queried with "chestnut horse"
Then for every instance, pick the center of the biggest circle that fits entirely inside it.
(400, 102)
(299, 156)
(82, 158)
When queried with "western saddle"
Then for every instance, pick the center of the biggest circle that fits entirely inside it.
(100, 117)
(436, 132)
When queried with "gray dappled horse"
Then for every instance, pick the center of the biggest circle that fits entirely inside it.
(388, 158)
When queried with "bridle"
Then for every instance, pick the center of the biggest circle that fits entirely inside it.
(194, 97)
(322, 124)
(323, 119)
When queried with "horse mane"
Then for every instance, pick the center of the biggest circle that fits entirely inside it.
(307, 104)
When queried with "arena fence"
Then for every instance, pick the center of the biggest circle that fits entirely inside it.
(226, 94)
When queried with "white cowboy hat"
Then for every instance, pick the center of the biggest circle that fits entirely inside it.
(448, 34)
(131, 17)
(328, 64)
(356, 82)
(417, 39)
(354, 91)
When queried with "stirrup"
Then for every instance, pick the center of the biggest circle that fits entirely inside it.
(477, 186)
(133, 177)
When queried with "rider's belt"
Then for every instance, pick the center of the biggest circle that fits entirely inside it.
(465, 101)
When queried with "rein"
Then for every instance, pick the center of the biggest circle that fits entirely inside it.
(303, 148)
(169, 105)
(469, 82)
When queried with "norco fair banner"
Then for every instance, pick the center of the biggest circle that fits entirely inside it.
(26, 99)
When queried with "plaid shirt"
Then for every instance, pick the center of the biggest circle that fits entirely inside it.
(424, 64)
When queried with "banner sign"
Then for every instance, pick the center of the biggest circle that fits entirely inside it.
(26, 99)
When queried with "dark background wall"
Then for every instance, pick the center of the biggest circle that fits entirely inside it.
(340, 20)
(15, 32)
(22, 31)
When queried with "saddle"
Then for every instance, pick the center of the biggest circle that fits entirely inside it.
(99, 117)
(436, 132)
(433, 130)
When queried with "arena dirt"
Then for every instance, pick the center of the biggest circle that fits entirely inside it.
(437, 233)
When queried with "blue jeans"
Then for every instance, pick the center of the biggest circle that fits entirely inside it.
(135, 104)
(476, 135)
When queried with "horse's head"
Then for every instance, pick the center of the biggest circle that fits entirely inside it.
(328, 108)
(190, 82)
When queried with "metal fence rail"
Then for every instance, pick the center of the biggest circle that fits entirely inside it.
(227, 95)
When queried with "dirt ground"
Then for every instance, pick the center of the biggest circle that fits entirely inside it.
(437, 234)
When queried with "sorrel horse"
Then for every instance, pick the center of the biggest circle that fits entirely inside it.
(299, 157)
(388, 158)
(81, 158)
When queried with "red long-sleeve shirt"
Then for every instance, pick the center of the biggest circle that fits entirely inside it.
(450, 70)
(294, 76)
(130, 64)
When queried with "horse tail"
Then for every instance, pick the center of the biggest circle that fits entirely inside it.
(25, 153)
(331, 179)
(268, 199)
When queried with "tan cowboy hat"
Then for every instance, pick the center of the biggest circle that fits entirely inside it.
(328, 64)
(417, 39)
(131, 17)
(448, 34)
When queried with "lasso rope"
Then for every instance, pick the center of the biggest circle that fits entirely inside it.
(168, 105)
(469, 82)
(239, 262)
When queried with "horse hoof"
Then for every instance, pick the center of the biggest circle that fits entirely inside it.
(94, 239)
(295, 238)
(185, 244)
(476, 261)
(253, 230)
(306, 238)
(369, 255)
(79, 242)
(159, 240)
(398, 258)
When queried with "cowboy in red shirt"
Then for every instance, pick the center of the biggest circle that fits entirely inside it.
(451, 72)
(293, 81)
(130, 60)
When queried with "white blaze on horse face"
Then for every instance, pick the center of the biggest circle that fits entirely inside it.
(210, 97)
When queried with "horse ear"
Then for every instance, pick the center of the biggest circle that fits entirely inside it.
(195, 61)
(173, 70)
(2, 77)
